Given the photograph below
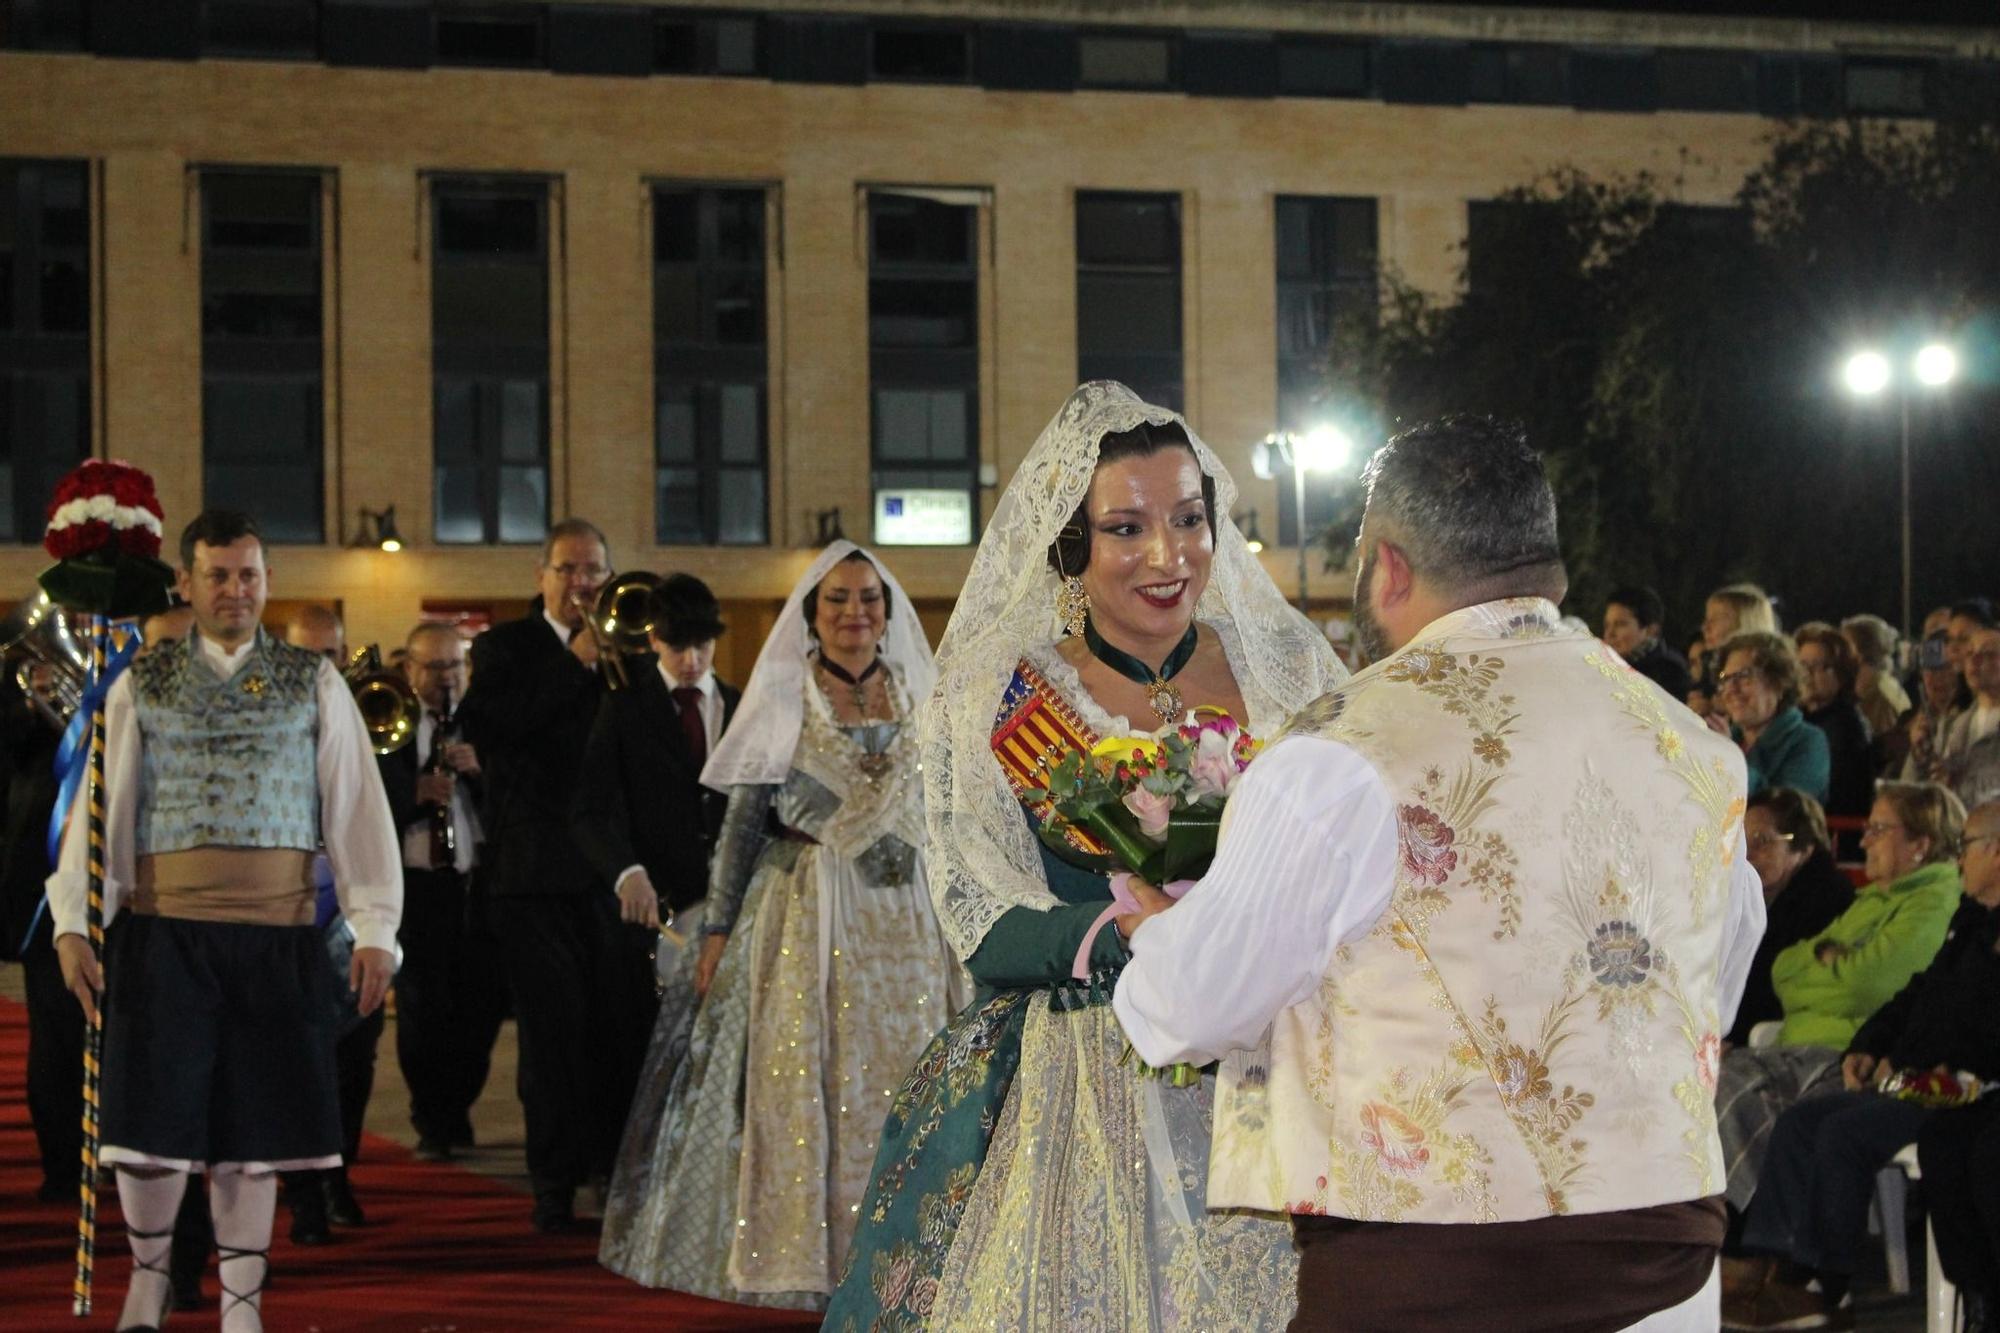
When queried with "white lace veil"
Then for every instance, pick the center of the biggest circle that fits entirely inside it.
(758, 746)
(982, 858)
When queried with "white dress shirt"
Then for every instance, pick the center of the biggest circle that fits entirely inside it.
(1307, 862)
(354, 820)
(464, 819)
(562, 631)
(711, 725)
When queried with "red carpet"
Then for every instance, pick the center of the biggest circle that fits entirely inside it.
(445, 1251)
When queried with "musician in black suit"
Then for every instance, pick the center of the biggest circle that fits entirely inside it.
(641, 815)
(528, 711)
(450, 997)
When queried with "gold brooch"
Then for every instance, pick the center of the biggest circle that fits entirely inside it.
(254, 686)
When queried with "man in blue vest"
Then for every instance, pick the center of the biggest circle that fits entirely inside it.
(229, 757)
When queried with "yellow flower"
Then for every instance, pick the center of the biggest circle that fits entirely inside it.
(1118, 749)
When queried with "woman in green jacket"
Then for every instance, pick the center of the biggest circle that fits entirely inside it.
(1832, 982)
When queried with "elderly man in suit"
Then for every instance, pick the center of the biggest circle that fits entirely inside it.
(528, 711)
(641, 815)
(450, 999)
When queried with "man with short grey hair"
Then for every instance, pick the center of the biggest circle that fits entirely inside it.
(1475, 928)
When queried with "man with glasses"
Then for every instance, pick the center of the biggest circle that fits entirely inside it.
(450, 998)
(528, 711)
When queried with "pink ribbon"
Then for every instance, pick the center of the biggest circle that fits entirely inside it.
(1122, 902)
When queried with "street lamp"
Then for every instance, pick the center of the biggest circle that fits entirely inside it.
(1867, 373)
(1323, 449)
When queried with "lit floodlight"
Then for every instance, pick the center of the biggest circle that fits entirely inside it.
(1323, 449)
(1936, 365)
(1866, 373)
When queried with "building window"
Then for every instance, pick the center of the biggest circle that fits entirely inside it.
(709, 367)
(44, 336)
(1326, 282)
(908, 53)
(923, 344)
(262, 389)
(490, 359)
(1136, 60)
(1128, 292)
(260, 29)
(504, 38)
(726, 44)
(1887, 87)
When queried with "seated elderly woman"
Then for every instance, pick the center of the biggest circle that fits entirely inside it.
(1829, 983)
(1804, 891)
(1811, 1204)
(1759, 691)
(1828, 672)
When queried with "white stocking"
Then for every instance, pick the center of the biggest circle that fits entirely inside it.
(150, 1197)
(243, 1205)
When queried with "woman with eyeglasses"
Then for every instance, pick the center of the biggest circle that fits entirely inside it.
(1785, 832)
(1759, 690)
(1832, 981)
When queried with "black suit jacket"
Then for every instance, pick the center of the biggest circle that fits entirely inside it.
(528, 711)
(640, 800)
(399, 782)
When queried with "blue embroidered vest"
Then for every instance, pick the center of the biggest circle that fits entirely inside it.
(228, 763)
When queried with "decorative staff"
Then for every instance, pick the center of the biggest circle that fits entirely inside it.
(104, 531)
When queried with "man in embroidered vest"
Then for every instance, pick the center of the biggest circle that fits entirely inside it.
(1477, 922)
(229, 757)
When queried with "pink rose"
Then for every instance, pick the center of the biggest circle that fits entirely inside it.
(1213, 770)
(1426, 840)
(1151, 809)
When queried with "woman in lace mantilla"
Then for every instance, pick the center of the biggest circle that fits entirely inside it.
(1029, 1175)
(822, 969)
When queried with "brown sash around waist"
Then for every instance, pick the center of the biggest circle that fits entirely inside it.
(1589, 1273)
(257, 886)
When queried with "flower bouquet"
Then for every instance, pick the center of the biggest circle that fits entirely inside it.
(1154, 804)
(1933, 1089)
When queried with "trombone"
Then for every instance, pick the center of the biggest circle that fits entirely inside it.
(389, 707)
(618, 621)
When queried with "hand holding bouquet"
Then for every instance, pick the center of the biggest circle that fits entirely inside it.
(1935, 1089)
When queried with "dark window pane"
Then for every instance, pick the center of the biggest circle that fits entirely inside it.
(1708, 80)
(919, 313)
(741, 428)
(1309, 68)
(1129, 312)
(1538, 75)
(736, 307)
(484, 225)
(506, 38)
(524, 503)
(459, 514)
(264, 29)
(736, 46)
(922, 425)
(520, 421)
(677, 507)
(741, 507)
(739, 226)
(677, 303)
(674, 425)
(497, 302)
(938, 55)
(266, 421)
(65, 296)
(285, 500)
(261, 210)
(909, 230)
(676, 226)
(1107, 60)
(677, 46)
(1128, 229)
(455, 427)
(1887, 88)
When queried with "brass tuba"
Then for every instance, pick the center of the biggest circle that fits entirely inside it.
(389, 706)
(38, 632)
(619, 620)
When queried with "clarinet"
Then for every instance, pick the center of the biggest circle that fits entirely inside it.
(444, 833)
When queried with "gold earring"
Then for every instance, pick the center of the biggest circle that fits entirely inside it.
(1072, 605)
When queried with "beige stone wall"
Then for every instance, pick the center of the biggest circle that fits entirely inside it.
(378, 131)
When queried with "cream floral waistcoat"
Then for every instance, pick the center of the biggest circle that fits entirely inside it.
(1531, 1028)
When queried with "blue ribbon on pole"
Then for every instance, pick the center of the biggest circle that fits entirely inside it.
(73, 759)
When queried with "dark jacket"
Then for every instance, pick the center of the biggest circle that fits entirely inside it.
(28, 743)
(1666, 669)
(640, 800)
(1850, 756)
(1949, 1013)
(528, 712)
(1790, 753)
(399, 782)
(1819, 892)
